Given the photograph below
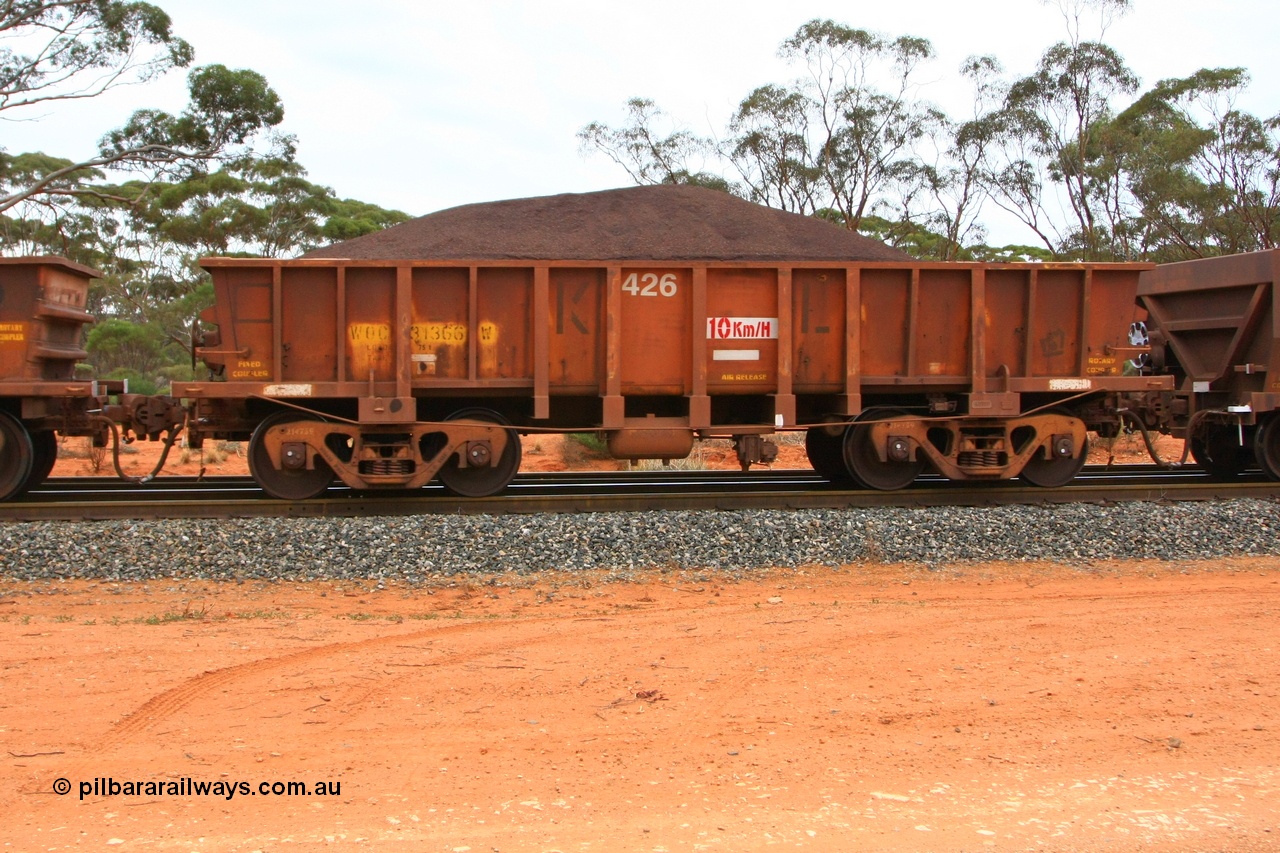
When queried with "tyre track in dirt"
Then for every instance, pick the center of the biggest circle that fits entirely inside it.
(759, 721)
(172, 701)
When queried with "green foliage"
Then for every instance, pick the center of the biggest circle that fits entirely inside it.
(119, 349)
(650, 155)
(591, 441)
(1204, 174)
(1093, 167)
(138, 382)
(81, 48)
(346, 219)
(212, 179)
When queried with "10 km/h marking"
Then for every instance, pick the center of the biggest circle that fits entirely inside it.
(742, 328)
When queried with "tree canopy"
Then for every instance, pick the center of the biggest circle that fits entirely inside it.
(1091, 164)
(163, 189)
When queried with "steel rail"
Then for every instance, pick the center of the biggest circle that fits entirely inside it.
(236, 497)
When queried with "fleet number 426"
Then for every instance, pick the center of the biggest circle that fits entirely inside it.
(650, 284)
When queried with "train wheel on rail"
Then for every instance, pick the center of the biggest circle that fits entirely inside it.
(1218, 451)
(44, 447)
(824, 446)
(286, 484)
(489, 477)
(863, 460)
(1058, 470)
(1266, 446)
(16, 456)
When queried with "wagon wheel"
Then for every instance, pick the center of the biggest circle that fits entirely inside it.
(1057, 471)
(480, 481)
(1218, 452)
(16, 456)
(864, 463)
(1266, 446)
(44, 446)
(284, 483)
(826, 452)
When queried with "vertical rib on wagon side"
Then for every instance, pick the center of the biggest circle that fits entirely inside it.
(388, 373)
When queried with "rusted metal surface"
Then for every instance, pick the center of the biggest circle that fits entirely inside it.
(1218, 326)
(586, 492)
(1215, 330)
(652, 352)
(42, 323)
(669, 331)
(651, 438)
(42, 320)
(42, 317)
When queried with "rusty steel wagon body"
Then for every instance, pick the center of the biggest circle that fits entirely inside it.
(389, 373)
(1215, 329)
(42, 323)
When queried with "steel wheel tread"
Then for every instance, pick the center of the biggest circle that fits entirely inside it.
(826, 455)
(1054, 473)
(1266, 447)
(281, 483)
(482, 482)
(864, 463)
(1218, 453)
(44, 447)
(17, 456)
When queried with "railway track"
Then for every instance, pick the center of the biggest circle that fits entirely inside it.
(96, 498)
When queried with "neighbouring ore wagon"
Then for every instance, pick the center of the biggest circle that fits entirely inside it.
(42, 322)
(389, 373)
(1214, 328)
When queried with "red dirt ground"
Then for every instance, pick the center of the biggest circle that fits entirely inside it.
(872, 707)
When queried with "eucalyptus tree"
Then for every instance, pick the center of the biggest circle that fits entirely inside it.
(770, 146)
(255, 206)
(650, 148)
(1205, 173)
(64, 50)
(853, 109)
(945, 200)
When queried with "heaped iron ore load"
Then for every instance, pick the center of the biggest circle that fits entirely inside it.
(389, 373)
(658, 317)
(636, 223)
(42, 322)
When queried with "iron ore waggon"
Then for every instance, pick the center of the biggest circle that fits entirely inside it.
(389, 373)
(1214, 329)
(42, 322)
(655, 316)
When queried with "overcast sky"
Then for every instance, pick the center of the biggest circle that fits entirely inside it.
(424, 105)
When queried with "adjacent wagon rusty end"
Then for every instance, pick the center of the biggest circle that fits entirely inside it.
(387, 373)
(42, 321)
(1216, 331)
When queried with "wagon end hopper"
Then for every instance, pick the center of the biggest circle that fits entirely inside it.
(1215, 329)
(42, 320)
(415, 368)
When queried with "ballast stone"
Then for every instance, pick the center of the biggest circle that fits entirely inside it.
(407, 549)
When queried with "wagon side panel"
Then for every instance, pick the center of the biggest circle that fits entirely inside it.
(818, 323)
(309, 321)
(742, 328)
(575, 322)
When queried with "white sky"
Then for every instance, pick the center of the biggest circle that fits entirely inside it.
(426, 105)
